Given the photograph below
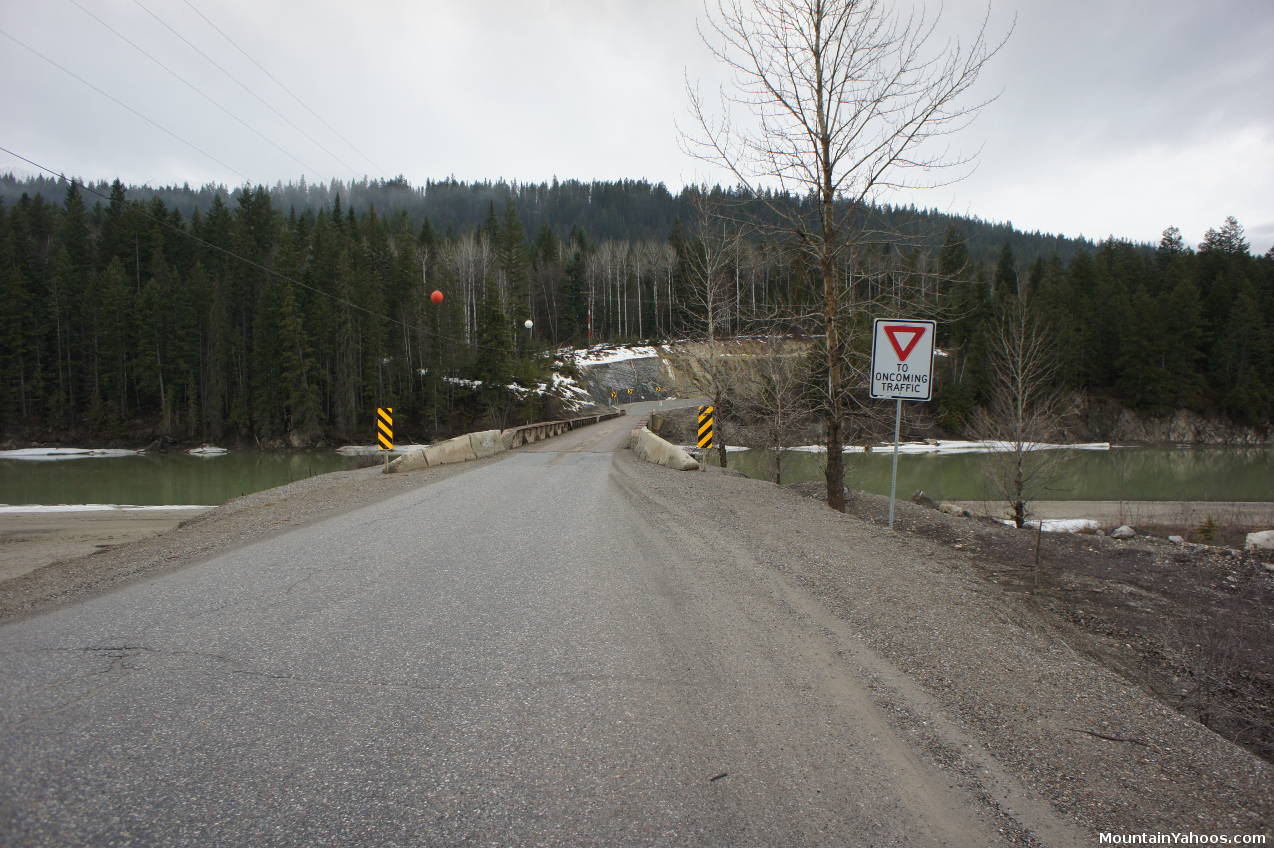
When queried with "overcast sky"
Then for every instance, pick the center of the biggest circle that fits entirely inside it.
(1117, 117)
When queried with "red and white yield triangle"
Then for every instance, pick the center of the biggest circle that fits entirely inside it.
(893, 331)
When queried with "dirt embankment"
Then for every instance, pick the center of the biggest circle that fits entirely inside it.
(1191, 624)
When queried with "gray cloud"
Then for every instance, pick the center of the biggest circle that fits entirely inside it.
(1115, 118)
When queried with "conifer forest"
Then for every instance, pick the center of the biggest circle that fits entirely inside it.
(285, 315)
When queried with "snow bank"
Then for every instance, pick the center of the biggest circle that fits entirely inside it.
(50, 454)
(5, 509)
(823, 449)
(952, 446)
(606, 354)
(207, 450)
(1061, 525)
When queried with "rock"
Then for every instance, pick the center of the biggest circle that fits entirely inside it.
(1262, 540)
(919, 497)
(1101, 532)
(954, 509)
(1177, 539)
(1123, 531)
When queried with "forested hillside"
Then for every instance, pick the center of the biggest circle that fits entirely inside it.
(634, 210)
(290, 314)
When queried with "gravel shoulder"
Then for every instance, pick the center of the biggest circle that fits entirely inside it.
(172, 545)
(995, 688)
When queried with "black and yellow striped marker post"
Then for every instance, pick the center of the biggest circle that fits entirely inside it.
(385, 428)
(706, 421)
(385, 431)
(707, 418)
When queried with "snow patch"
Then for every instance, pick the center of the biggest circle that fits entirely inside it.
(952, 446)
(823, 449)
(53, 454)
(1060, 525)
(5, 509)
(607, 354)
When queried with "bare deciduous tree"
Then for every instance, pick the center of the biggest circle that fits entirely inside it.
(708, 297)
(776, 399)
(848, 99)
(1024, 408)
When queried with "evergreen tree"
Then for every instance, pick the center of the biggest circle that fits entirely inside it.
(1228, 238)
(301, 412)
(1004, 283)
(17, 339)
(514, 266)
(494, 363)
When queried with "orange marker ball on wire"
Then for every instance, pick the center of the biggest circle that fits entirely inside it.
(436, 297)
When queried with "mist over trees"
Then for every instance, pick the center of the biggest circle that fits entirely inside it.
(284, 320)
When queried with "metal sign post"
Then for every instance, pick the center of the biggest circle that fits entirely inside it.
(901, 369)
(893, 471)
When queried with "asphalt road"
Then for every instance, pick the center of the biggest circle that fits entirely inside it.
(516, 655)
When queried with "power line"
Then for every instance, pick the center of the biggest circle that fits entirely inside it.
(246, 88)
(265, 71)
(119, 102)
(196, 89)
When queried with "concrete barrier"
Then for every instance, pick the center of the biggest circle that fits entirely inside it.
(410, 461)
(486, 443)
(518, 436)
(458, 449)
(646, 445)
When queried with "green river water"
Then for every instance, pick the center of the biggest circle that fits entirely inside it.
(1150, 473)
(167, 478)
(1134, 474)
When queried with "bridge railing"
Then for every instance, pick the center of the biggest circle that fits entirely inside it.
(527, 433)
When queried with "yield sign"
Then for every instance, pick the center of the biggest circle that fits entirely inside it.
(895, 330)
(902, 359)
